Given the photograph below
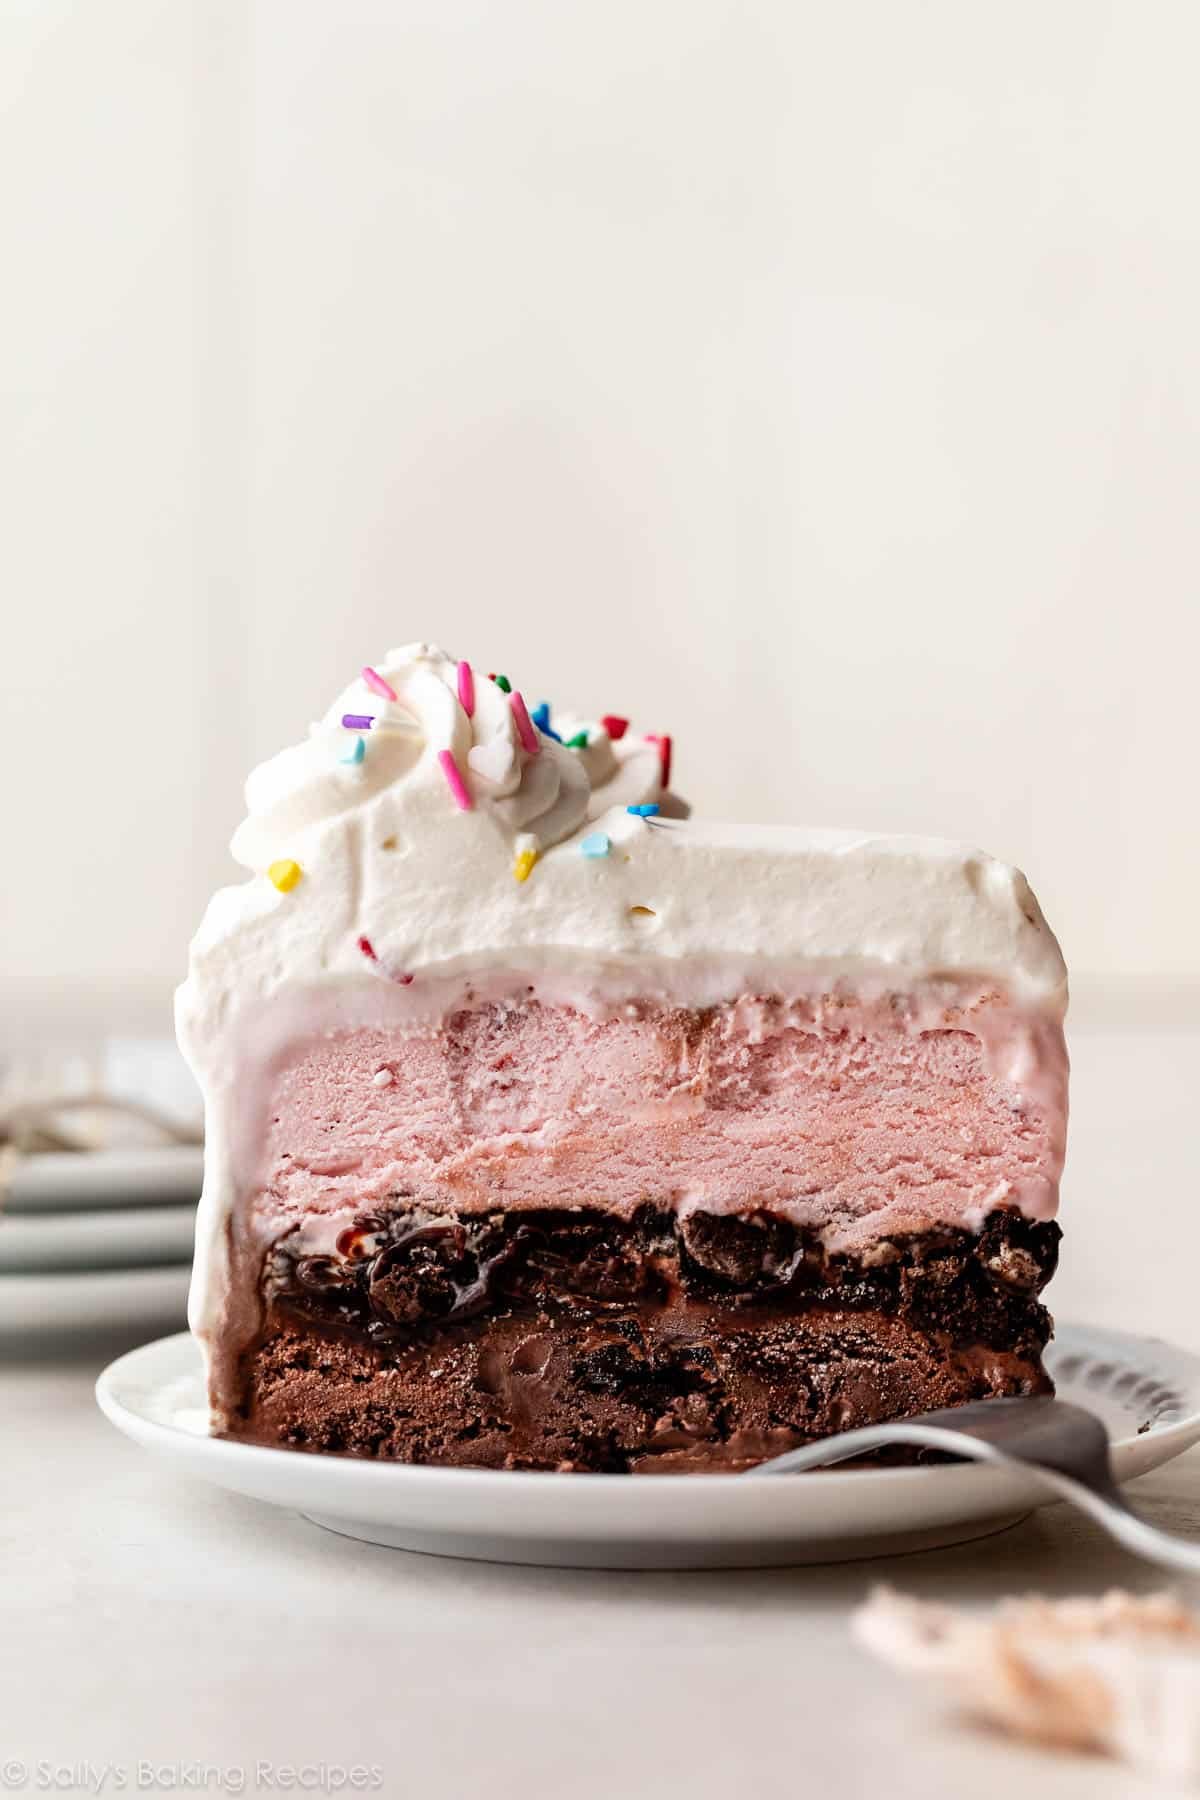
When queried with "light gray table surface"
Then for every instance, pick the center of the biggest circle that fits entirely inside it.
(146, 1619)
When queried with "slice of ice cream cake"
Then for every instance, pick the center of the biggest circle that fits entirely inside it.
(548, 1129)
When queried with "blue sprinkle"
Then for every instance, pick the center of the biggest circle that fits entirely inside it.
(598, 844)
(643, 812)
(541, 718)
(356, 753)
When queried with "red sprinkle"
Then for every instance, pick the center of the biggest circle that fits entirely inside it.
(368, 950)
(616, 728)
(664, 755)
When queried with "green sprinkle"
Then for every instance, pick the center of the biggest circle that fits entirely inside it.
(504, 684)
(578, 742)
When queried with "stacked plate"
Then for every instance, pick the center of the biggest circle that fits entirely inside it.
(98, 1237)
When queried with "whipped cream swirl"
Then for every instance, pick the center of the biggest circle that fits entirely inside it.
(542, 795)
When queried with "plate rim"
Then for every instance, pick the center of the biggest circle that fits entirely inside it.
(67, 1306)
(114, 1273)
(124, 1178)
(96, 1241)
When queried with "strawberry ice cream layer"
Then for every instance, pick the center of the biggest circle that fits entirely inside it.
(852, 1119)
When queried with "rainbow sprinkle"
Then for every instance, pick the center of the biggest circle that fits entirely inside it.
(503, 683)
(358, 721)
(643, 812)
(526, 851)
(578, 742)
(285, 875)
(525, 731)
(369, 951)
(378, 685)
(616, 728)
(466, 689)
(356, 752)
(598, 843)
(454, 781)
(541, 718)
(664, 755)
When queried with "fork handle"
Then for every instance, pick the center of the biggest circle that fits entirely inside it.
(1113, 1512)
(1105, 1503)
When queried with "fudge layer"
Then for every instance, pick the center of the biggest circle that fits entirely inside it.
(546, 1134)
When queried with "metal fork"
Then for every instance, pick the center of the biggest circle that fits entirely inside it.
(1065, 1446)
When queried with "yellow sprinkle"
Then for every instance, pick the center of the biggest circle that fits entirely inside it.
(524, 864)
(285, 875)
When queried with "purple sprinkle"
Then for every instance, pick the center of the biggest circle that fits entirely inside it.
(358, 721)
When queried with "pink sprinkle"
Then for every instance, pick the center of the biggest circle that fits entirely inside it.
(528, 736)
(454, 781)
(378, 685)
(367, 948)
(466, 689)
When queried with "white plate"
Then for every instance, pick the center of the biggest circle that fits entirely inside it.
(87, 1180)
(152, 1298)
(96, 1240)
(1147, 1393)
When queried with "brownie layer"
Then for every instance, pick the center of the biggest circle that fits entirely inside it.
(571, 1339)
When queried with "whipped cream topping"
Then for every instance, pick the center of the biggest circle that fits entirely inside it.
(381, 854)
(543, 794)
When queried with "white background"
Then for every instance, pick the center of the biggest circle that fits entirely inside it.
(814, 379)
(818, 383)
